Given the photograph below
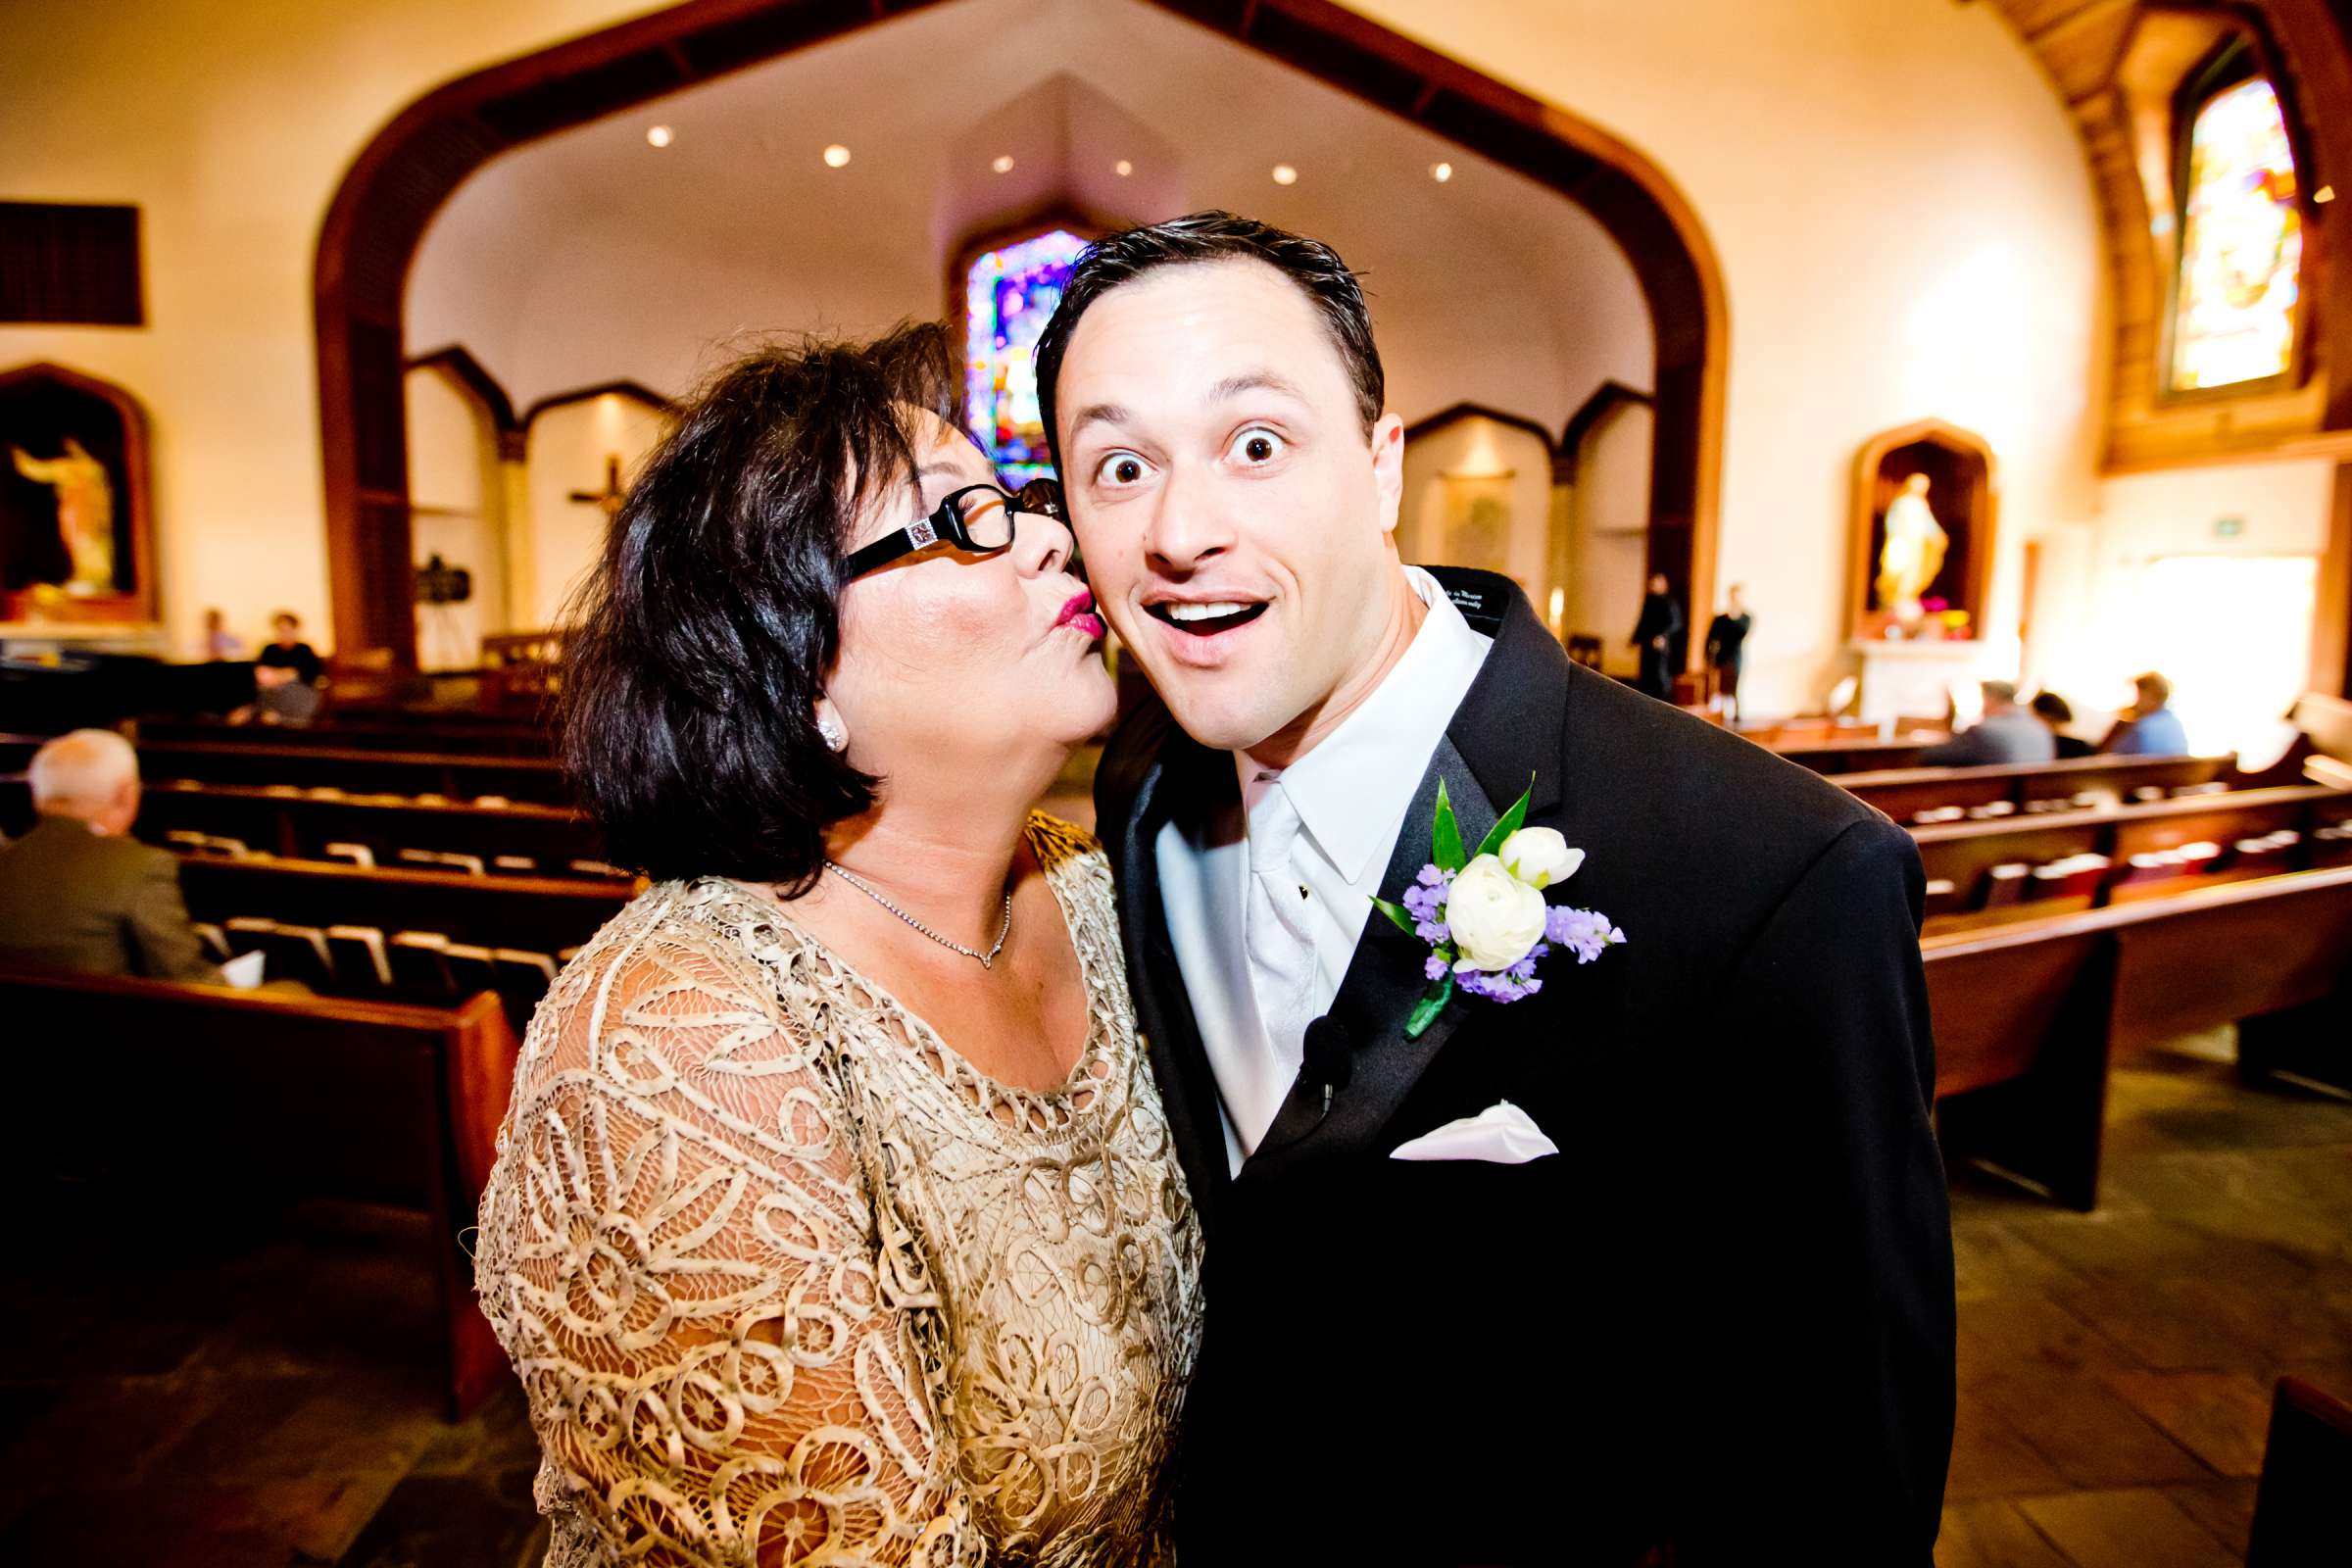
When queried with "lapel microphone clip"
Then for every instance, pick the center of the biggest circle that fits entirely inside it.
(1330, 1056)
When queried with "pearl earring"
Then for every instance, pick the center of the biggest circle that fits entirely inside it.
(835, 737)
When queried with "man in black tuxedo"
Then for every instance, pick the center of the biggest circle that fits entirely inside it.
(1655, 633)
(1672, 1282)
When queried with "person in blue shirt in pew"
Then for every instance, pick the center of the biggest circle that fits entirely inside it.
(2149, 727)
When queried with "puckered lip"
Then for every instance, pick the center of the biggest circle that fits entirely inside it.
(1080, 604)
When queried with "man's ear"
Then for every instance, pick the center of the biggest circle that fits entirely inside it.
(1387, 468)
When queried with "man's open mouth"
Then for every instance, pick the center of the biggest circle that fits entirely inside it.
(1207, 618)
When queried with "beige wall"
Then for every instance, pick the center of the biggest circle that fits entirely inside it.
(568, 448)
(458, 496)
(230, 125)
(1481, 446)
(1608, 533)
(2090, 632)
(1901, 210)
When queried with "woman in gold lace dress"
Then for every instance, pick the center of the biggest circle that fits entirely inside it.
(835, 1219)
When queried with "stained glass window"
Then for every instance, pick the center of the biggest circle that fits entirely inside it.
(1009, 293)
(2242, 243)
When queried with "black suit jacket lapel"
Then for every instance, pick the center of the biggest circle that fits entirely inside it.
(1505, 735)
(1169, 778)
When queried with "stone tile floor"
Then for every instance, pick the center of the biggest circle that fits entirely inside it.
(2116, 1368)
(171, 1395)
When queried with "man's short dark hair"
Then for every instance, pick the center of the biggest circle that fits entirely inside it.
(1313, 266)
(2053, 707)
(706, 630)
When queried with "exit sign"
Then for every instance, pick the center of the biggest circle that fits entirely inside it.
(2228, 528)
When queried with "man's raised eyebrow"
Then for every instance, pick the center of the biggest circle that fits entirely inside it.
(1101, 413)
(1232, 386)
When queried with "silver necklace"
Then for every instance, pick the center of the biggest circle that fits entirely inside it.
(988, 959)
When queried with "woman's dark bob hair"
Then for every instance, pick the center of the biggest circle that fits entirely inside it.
(706, 630)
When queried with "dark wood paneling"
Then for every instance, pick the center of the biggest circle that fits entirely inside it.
(73, 263)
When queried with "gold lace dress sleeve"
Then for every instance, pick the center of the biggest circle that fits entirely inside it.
(788, 1282)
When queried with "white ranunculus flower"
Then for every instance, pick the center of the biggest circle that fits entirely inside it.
(1494, 917)
(1538, 857)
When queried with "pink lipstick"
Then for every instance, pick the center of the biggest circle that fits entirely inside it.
(1080, 612)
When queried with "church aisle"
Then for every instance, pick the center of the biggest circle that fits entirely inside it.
(2116, 1368)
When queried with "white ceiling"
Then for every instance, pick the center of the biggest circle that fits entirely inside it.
(592, 257)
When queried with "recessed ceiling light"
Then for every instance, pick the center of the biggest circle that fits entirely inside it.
(836, 156)
(658, 136)
(1004, 164)
(1441, 173)
(1285, 175)
(1122, 169)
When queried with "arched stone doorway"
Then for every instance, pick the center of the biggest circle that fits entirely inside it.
(380, 213)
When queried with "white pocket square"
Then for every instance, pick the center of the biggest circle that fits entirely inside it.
(1502, 1134)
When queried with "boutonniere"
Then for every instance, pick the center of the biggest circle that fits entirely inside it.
(1484, 914)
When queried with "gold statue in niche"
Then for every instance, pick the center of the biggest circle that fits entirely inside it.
(85, 512)
(1914, 549)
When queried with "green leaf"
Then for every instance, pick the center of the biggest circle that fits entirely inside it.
(1445, 838)
(1425, 1011)
(1398, 916)
(1512, 820)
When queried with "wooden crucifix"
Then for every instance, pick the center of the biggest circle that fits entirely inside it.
(610, 499)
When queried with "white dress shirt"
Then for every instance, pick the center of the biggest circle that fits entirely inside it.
(1338, 811)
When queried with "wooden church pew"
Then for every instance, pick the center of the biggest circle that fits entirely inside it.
(2028, 1017)
(457, 777)
(289, 1098)
(551, 913)
(1847, 752)
(301, 826)
(342, 930)
(1965, 862)
(2300, 1515)
(1903, 793)
(443, 735)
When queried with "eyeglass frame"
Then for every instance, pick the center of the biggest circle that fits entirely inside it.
(946, 525)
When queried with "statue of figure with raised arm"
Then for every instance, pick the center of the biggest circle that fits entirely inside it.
(85, 512)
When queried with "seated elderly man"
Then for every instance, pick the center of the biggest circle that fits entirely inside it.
(78, 893)
(2006, 734)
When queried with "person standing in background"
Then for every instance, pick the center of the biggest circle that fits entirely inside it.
(1655, 633)
(1727, 641)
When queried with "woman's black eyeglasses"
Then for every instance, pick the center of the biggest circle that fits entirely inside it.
(977, 519)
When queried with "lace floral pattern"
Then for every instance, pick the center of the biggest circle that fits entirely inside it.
(788, 1281)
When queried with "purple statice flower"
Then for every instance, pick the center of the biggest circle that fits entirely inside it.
(1435, 968)
(1425, 901)
(1514, 984)
(1584, 932)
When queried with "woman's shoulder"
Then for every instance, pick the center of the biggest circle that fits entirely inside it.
(680, 975)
